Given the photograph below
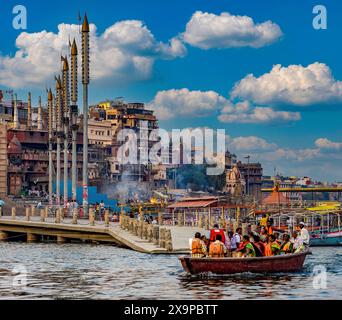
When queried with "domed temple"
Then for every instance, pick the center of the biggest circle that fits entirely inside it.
(235, 182)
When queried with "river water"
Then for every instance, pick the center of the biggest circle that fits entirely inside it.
(77, 271)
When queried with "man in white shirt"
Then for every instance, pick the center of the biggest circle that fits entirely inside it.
(231, 241)
(238, 236)
(304, 234)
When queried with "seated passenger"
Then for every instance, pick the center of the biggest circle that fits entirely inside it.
(217, 231)
(198, 248)
(298, 245)
(259, 246)
(263, 234)
(205, 240)
(247, 247)
(286, 247)
(217, 249)
(272, 247)
(277, 235)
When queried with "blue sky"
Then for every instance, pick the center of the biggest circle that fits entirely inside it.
(301, 138)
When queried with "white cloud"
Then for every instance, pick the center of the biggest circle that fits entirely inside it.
(251, 143)
(244, 112)
(292, 154)
(293, 85)
(207, 30)
(324, 143)
(264, 150)
(126, 51)
(172, 103)
(310, 161)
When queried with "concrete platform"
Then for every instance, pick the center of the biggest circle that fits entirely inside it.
(100, 233)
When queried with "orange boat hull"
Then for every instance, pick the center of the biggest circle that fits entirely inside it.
(283, 263)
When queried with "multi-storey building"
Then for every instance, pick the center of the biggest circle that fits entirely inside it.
(252, 173)
(116, 116)
(100, 132)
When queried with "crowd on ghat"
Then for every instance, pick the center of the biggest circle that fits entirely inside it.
(263, 242)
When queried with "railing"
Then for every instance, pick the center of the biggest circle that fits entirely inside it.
(155, 234)
(59, 215)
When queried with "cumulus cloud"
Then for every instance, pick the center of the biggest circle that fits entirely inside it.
(292, 154)
(324, 143)
(244, 112)
(264, 150)
(126, 51)
(207, 30)
(172, 103)
(310, 161)
(292, 85)
(251, 143)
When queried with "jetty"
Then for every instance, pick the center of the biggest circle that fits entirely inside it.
(127, 233)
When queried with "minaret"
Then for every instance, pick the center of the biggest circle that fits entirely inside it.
(29, 111)
(85, 82)
(59, 106)
(15, 112)
(66, 127)
(74, 113)
(50, 128)
(54, 114)
(40, 116)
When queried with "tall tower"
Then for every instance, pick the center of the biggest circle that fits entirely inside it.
(40, 115)
(15, 112)
(66, 104)
(85, 82)
(50, 128)
(74, 113)
(59, 111)
(54, 113)
(29, 111)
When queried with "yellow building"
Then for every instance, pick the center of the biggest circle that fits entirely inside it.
(105, 105)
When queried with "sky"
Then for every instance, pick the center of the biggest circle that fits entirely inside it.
(257, 69)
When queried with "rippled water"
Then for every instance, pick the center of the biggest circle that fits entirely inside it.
(75, 271)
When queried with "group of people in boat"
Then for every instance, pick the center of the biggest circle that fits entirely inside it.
(263, 242)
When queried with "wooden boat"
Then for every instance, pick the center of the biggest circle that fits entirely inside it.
(283, 263)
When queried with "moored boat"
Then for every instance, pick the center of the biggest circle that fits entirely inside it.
(275, 264)
(333, 238)
(323, 225)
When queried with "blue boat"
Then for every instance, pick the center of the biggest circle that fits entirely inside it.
(331, 238)
(324, 225)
